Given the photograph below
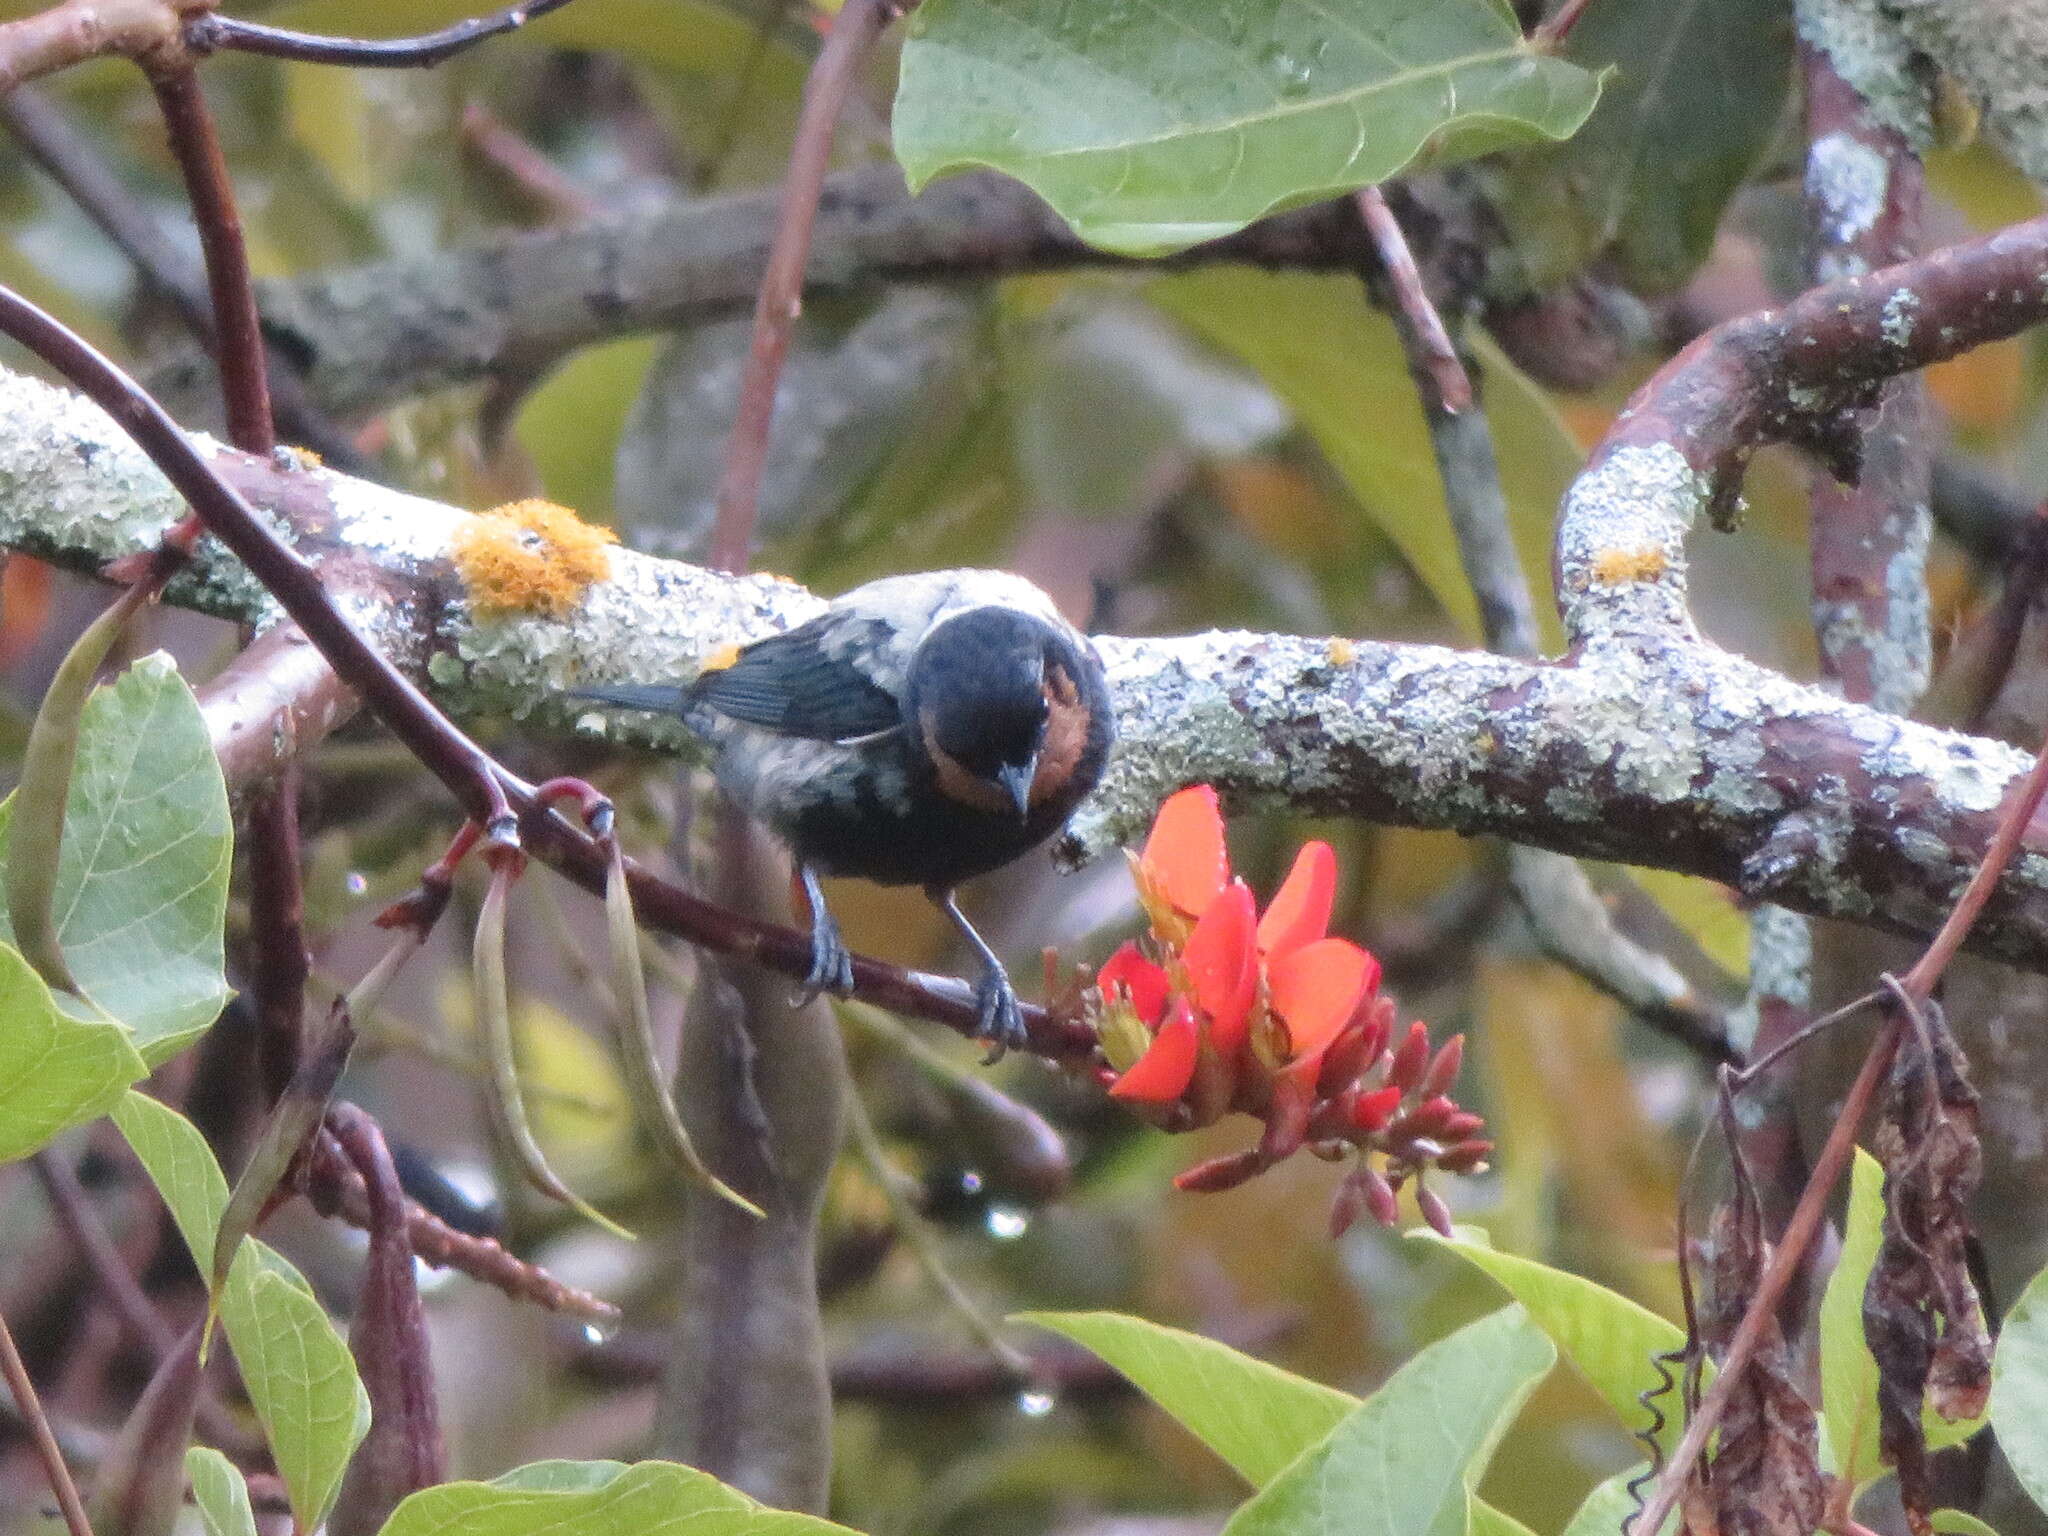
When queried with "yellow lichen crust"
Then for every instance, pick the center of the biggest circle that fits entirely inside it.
(1341, 652)
(531, 557)
(1612, 567)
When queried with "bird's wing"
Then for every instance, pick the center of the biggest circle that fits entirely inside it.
(810, 682)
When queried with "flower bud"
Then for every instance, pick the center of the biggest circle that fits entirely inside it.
(1220, 1173)
(1379, 1195)
(1443, 1070)
(1466, 1157)
(1433, 1209)
(1411, 1060)
(1371, 1110)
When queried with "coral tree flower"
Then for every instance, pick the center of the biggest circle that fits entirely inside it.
(1224, 1007)
(1233, 979)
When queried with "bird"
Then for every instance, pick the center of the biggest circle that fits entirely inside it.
(923, 730)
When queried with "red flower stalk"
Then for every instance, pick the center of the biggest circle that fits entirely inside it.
(1221, 1007)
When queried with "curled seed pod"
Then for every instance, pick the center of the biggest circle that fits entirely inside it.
(494, 1020)
(35, 841)
(639, 1061)
(1411, 1060)
(1443, 1068)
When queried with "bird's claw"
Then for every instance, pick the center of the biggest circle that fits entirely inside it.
(998, 1017)
(831, 962)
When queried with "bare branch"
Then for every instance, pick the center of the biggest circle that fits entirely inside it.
(212, 32)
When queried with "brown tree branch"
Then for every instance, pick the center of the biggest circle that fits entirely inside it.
(210, 32)
(15, 1374)
(780, 299)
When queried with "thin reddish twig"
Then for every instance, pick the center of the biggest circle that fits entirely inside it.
(30, 1407)
(1404, 282)
(212, 32)
(237, 331)
(1551, 32)
(1790, 1251)
(780, 300)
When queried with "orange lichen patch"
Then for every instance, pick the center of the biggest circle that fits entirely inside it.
(721, 658)
(1341, 652)
(1612, 567)
(531, 557)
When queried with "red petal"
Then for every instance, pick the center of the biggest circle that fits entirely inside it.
(1146, 983)
(1161, 1075)
(1184, 859)
(1371, 1111)
(1222, 959)
(1300, 911)
(1316, 989)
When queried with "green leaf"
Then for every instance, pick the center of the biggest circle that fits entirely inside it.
(1152, 127)
(1607, 1337)
(2019, 1389)
(58, 1068)
(1956, 1522)
(1337, 363)
(650, 1498)
(1405, 1462)
(1696, 94)
(1610, 1504)
(1848, 1370)
(142, 891)
(1485, 1520)
(301, 1378)
(221, 1493)
(1255, 1416)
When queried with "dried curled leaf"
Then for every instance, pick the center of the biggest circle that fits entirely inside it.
(1921, 1313)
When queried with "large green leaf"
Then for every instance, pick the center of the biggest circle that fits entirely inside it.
(301, 1378)
(1405, 1462)
(56, 1070)
(1609, 1338)
(142, 890)
(220, 1492)
(1255, 1416)
(560, 1498)
(1848, 1370)
(1695, 97)
(1151, 127)
(2019, 1389)
(1338, 364)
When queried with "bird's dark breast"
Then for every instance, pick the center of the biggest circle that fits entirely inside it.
(923, 837)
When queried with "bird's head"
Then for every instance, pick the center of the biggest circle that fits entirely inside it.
(994, 694)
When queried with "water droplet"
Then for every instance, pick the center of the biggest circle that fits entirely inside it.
(596, 1335)
(1290, 68)
(971, 1182)
(1034, 1404)
(1006, 1223)
(357, 882)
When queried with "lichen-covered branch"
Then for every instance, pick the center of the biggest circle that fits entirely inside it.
(1657, 750)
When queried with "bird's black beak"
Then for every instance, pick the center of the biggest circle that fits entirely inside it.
(1015, 778)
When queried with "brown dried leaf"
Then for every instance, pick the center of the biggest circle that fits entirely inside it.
(1921, 1313)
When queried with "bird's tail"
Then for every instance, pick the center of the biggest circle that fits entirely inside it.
(659, 697)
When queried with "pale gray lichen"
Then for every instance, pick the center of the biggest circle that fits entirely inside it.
(1863, 40)
(1621, 543)
(1847, 183)
(1896, 323)
(1780, 969)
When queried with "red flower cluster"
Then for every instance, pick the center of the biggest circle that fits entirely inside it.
(1225, 1008)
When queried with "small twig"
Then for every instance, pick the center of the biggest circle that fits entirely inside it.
(782, 284)
(1790, 1252)
(1427, 338)
(124, 1293)
(537, 177)
(237, 330)
(1552, 31)
(337, 1189)
(30, 1407)
(212, 32)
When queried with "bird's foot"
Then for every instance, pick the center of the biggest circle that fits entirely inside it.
(998, 1018)
(831, 961)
